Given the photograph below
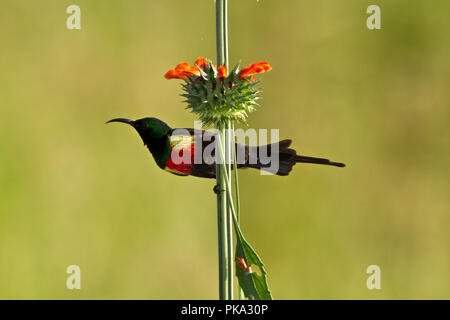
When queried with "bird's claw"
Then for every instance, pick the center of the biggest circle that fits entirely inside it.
(217, 189)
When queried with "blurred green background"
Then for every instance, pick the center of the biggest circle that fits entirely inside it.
(74, 191)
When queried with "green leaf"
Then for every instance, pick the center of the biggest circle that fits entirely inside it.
(253, 280)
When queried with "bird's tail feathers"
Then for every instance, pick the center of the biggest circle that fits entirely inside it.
(287, 158)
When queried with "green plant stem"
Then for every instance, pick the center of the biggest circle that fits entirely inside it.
(236, 180)
(228, 160)
(229, 194)
(236, 194)
(223, 216)
(222, 224)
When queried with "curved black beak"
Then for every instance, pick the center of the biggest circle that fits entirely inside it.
(128, 121)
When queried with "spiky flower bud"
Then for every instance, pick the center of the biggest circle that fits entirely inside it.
(216, 96)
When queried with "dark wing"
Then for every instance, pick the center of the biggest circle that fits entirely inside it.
(207, 167)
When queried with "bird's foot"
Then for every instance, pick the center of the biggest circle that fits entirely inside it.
(217, 189)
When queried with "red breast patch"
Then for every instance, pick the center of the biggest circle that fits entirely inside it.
(184, 160)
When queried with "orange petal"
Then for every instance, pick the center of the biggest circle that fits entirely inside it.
(201, 62)
(182, 71)
(223, 72)
(244, 72)
(188, 69)
(257, 67)
(192, 70)
(171, 74)
(182, 65)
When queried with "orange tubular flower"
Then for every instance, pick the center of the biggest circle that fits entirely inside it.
(257, 67)
(201, 62)
(182, 71)
(223, 72)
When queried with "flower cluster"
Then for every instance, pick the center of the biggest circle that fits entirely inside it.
(217, 95)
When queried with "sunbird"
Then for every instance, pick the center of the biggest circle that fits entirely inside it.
(165, 143)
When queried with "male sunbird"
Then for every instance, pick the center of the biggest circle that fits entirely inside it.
(166, 144)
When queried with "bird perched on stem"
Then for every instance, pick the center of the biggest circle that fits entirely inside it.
(166, 143)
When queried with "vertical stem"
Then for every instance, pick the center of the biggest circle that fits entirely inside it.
(222, 221)
(222, 32)
(223, 211)
(236, 180)
(228, 156)
(236, 194)
(225, 33)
